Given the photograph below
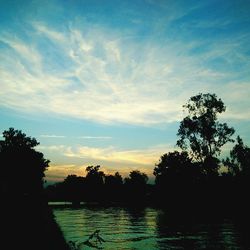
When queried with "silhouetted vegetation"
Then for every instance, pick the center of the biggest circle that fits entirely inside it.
(113, 187)
(98, 187)
(188, 182)
(135, 186)
(202, 134)
(239, 161)
(27, 222)
(22, 166)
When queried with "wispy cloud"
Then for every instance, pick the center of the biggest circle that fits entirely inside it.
(58, 148)
(52, 136)
(139, 157)
(95, 137)
(110, 158)
(105, 77)
(78, 137)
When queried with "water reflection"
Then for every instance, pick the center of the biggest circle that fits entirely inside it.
(146, 228)
(188, 233)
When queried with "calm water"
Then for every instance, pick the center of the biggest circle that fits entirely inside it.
(147, 228)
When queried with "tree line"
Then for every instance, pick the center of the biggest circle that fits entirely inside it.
(190, 177)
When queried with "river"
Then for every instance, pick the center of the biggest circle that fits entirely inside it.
(145, 228)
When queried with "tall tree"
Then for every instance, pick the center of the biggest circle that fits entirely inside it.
(201, 133)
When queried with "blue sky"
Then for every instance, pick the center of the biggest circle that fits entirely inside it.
(103, 82)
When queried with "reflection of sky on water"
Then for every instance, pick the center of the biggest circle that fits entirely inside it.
(125, 228)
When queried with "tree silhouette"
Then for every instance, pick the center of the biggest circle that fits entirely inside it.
(73, 186)
(176, 179)
(113, 180)
(239, 173)
(136, 178)
(200, 132)
(175, 166)
(23, 167)
(136, 186)
(239, 161)
(113, 187)
(94, 183)
(94, 175)
(23, 207)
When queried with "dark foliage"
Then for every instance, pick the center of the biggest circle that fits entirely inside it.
(27, 222)
(201, 133)
(22, 167)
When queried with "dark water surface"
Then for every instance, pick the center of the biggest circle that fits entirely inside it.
(146, 228)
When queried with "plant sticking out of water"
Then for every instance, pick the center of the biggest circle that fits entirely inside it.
(93, 241)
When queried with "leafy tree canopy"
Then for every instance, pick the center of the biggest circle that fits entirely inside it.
(200, 132)
(172, 163)
(17, 139)
(23, 167)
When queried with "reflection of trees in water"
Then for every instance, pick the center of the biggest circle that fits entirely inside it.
(136, 214)
(141, 232)
(110, 220)
(136, 219)
(171, 232)
(179, 233)
(143, 217)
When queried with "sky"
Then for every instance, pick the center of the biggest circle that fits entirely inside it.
(103, 82)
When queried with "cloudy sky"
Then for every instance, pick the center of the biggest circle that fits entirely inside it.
(103, 82)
